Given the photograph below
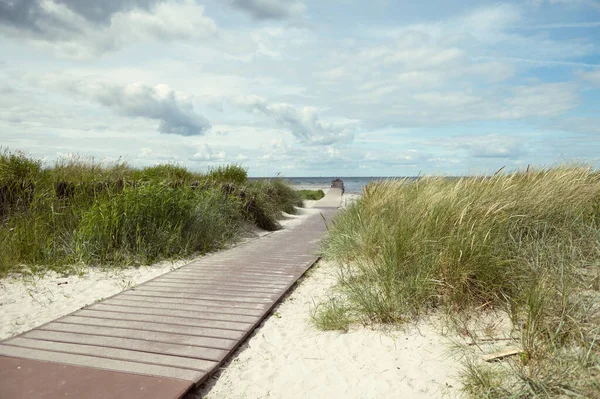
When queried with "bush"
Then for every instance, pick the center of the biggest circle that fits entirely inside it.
(85, 211)
(234, 174)
(264, 200)
(151, 222)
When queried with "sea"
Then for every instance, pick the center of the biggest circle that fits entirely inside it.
(351, 184)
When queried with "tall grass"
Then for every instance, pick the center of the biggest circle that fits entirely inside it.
(526, 243)
(84, 212)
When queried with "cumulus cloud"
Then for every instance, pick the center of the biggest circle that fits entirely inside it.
(205, 153)
(592, 76)
(303, 122)
(174, 110)
(82, 29)
(486, 146)
(543, 100)
(271, 9)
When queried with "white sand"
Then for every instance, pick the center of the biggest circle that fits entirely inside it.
(288, 358)
(28, 302)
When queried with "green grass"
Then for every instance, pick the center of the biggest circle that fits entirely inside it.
(84, 212)
(527, 244)
(311, 195)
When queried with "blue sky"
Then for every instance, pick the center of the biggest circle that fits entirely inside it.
(303, 87)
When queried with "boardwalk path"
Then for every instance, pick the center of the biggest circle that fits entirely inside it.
(163, 337)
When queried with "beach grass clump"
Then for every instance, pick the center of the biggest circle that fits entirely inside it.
(311, 195)
(265, 199)
(80, 211)
(234, 174)
(525, 243)
(153, 221)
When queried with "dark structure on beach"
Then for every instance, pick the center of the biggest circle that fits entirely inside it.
(338, 183)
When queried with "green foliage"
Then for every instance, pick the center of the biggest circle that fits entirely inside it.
(83, 211)
(524, 242)
(154, 221)
(264, 200)
(311, 195)
(18, 176)
(235, 174)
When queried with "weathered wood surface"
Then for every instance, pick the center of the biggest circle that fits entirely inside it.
(172, 332)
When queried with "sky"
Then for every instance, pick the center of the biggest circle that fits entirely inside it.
(304, 87)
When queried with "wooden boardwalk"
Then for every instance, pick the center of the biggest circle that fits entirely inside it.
(165, 336)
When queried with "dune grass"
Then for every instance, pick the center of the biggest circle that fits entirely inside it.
(311, 195)
(84, 212)
(526, 244)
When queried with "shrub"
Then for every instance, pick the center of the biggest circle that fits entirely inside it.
(153, 221)
(81, 210)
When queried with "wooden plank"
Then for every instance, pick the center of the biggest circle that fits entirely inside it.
(238, 274)
(189, 315)
(118, 354)
(179, 306)
(172, 320)
(150, 326)
(280, 272)
(234, 277)
(28, 379)
(135, 344)
(132, 295)
(198, 295)
(216, 343)
(213, 288)
(221, 280)
(101, 363)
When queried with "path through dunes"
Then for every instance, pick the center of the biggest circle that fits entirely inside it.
(169, 334)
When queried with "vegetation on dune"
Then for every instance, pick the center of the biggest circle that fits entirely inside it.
(81, 211)
(523, 244)
(311, 195)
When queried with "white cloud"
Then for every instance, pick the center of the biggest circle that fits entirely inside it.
(206, 153)
(592, 76)
(486, 146)
(544, 100)
(303, 122)
(174, 110)
(271, 9)
(63, 29)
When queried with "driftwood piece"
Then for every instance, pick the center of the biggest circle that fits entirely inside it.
(500, 355)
